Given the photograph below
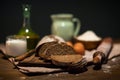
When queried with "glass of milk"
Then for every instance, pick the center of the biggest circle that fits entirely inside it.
(15, 45)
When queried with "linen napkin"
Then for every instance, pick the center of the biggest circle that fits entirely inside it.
(36, 65)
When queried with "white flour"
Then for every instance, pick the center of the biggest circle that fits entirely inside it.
(89, 36)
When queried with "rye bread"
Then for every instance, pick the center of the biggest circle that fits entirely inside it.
(54, 48)
(66, 60)
(72, 63)
(49, 38)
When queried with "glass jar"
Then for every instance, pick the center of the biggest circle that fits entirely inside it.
(15, 45)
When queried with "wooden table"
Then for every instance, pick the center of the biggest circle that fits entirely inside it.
(8, 72)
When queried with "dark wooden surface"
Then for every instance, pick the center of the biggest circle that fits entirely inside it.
(109, 71)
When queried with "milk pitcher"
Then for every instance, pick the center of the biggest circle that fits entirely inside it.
(65, 26)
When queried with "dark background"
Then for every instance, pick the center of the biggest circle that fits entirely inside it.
(101, 16)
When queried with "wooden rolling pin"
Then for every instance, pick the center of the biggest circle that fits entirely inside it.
(101, 54)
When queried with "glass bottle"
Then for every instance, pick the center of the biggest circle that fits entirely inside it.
(26, 30)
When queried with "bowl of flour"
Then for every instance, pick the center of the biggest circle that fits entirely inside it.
(89, 38)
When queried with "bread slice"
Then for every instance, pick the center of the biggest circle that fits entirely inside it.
(66, 60)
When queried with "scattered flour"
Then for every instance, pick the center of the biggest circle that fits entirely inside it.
(89, 36)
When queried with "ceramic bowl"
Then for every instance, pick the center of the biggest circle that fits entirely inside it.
(89, 45)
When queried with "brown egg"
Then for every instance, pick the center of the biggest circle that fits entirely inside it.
(69, 43)
(79, 48)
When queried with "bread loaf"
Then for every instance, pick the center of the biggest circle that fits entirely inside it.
(49, 38)
(54, 48)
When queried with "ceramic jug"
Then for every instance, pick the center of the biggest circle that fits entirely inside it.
(65, 26)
